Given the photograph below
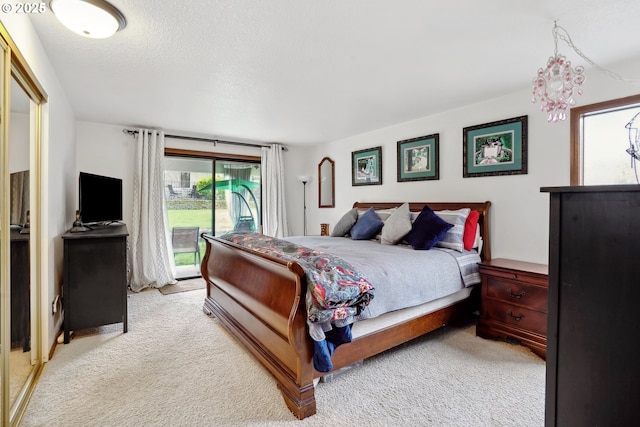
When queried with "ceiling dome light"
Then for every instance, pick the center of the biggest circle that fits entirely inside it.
(96, 19)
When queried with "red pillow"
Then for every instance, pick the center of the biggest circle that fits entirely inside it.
(470, 226)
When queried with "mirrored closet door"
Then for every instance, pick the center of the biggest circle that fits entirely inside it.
(20, 252)
(20, 363)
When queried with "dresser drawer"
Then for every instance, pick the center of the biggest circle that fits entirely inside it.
(515, 316)
(534, 297)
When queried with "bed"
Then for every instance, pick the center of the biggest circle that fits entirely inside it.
(260, 300)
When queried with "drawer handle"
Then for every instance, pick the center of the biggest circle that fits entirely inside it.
(517, 296)
(517, 318)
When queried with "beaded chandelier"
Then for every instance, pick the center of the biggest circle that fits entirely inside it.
(555, 84)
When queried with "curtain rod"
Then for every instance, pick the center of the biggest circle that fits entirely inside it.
(215, 141)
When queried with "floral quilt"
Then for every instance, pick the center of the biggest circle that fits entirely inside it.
(335, 290)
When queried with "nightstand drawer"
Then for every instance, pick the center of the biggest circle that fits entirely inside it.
(515, 316)
(534, 297)
(522, 276)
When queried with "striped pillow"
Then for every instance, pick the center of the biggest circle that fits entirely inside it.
(453, 238)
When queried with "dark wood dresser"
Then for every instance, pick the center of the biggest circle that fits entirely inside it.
(593, 374)
(514, 303)
(95, 278)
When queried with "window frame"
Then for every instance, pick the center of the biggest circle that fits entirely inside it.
(577, 115)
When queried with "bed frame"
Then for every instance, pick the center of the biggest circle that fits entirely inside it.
(260, 300)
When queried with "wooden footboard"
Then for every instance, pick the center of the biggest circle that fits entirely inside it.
(260, 300)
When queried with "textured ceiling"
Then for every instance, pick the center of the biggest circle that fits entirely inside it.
(308, 71)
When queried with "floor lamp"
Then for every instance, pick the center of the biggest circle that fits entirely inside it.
(304, 179)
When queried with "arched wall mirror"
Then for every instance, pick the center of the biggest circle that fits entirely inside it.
(326, 183)
(20, 230)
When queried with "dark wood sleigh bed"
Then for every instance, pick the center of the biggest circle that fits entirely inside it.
(260, 300)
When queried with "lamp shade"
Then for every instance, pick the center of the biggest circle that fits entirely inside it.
(96, 19)
(304, 178)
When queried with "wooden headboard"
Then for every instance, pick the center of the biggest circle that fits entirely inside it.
(481, 207)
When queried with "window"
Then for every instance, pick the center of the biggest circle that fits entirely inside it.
(602, 135)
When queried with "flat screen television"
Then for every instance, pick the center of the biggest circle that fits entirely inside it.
(100, 198)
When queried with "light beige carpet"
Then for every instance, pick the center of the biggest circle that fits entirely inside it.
(178, 367)
(184, 286)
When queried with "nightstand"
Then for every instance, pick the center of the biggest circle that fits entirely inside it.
(514, 303)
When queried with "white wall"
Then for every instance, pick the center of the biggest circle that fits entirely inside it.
(520, 212)
(58, 166)
(105, 150)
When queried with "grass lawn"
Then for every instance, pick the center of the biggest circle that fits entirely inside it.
(190, 218)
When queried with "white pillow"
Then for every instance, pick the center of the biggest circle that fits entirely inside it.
(396, 226)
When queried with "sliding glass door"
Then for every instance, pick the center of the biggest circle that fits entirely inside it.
(237, 188)
(208, 195)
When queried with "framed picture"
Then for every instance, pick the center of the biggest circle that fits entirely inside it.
(496, 148)
(418, 158)
(366, 167)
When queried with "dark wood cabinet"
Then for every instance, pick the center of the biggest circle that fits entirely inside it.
(20, 291)
(95, 278)
(514, 303)
(594, 287)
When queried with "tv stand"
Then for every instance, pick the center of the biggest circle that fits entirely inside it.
(95, 278)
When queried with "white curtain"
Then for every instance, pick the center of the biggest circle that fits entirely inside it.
(274, 205)
(151, 263)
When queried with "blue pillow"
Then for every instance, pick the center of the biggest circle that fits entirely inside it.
(367, 227)
(427, 230)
